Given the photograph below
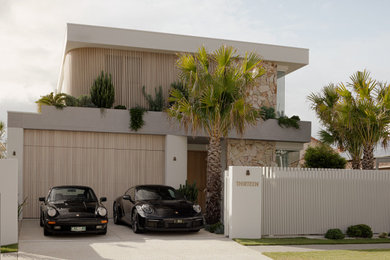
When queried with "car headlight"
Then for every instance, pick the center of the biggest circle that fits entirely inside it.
(147, 208)
(51, 211)
(197, 208)
(101, 211)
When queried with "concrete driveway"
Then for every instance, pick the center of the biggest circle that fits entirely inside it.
(121, 243)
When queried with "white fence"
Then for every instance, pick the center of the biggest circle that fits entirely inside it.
(310, 201)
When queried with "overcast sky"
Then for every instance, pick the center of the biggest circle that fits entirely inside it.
(342, 36)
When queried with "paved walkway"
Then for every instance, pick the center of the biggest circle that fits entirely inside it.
(121, 243)
(306, 248)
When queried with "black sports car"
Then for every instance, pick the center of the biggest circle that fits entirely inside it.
(73, 209)
(157, 208)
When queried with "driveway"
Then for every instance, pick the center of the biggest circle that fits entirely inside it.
(121, 243)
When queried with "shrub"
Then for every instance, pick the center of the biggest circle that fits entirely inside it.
(216, 228)
(102, 91)
(190, 191)
(285, 121)
(334, 234)
(71, 101)
(85, 101)
(120, 107)
(323, 156)
(360, 230)
(383, 235)
(136, 118)
(267, 113)
(156, 103)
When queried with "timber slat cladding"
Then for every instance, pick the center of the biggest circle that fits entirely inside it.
(130, 70)
(108, 162)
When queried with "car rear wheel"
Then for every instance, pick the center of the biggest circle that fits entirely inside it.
(117, 214)
(135, 223)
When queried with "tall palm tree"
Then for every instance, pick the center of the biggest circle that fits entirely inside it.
(217, 85)
(366, 110)
(326, 105)
(57, 100)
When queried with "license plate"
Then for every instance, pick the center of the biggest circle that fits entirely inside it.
(78, 229)
(178, 221)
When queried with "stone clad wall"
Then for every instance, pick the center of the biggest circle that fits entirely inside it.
(241, 152)
(265, 92)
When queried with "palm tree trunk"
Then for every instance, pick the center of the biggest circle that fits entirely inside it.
(368, 157)
(355, 163)
(214, 181)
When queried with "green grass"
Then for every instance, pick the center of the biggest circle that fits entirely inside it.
(308, 241)
(9, 248)
(332, 254)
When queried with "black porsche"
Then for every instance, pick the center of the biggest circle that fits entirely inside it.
(157, 208)
(72, 209)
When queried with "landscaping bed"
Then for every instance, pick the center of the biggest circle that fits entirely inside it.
(308, 241)
(9, 248)
(331, 254)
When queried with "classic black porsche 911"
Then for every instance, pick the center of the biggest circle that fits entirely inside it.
(157, 208)
(73, 209)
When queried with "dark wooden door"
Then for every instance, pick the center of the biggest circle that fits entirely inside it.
(196, 171)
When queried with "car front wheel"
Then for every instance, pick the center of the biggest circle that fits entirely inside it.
(135, 223)
(41, 220)
(46, 232)
(117, 215)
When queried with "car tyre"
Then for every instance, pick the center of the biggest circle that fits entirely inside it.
(41, 221)
(46, 232)
(134, 223)
(116, 214)
(103, 232)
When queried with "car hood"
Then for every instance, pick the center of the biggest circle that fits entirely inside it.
(75, 208)
(171, 208)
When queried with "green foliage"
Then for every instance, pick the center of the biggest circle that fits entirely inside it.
(120, 107)
(360, 230)
(190, 191)
(9, 248)
(267, 113)
(334, 234)
(136, 117)
(285, 121)
(21, 205)
(383, 235)
(3, 150)
(323, 156)
(57, 100)
(85, 101)
(156, 103)
(71, 101)
(216, 228)
(181, 88)
(102, 91)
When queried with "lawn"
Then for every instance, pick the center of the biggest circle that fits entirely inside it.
(308, 241)
(332, 254)
(9, 248)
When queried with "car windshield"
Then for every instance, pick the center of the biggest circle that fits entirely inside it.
(157, 193)
(72, 194)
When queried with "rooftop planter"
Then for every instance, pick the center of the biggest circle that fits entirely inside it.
(117, 121)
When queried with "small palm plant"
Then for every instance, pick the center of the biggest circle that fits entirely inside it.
(57, 100)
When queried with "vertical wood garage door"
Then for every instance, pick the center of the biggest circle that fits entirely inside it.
(108, 162)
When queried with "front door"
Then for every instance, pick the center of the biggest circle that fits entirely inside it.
(196, 172)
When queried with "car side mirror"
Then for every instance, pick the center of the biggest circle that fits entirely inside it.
(41, 198)
(103, 199)
(127, 197)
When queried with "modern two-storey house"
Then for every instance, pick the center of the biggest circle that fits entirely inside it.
(95, 147)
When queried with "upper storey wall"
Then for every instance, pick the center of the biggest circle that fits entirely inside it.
(130, 70)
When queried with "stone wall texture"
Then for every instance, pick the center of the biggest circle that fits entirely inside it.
(241, 152)
(264, 94)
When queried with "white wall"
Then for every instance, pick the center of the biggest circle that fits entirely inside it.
(175, 160)
(15, 142)
(9, 201)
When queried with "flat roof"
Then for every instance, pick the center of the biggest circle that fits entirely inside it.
(288, 59)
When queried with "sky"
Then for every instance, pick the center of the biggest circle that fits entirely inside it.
(342, 37)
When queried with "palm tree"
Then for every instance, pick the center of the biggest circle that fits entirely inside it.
(57, 100)
(366, 111)
(217, 85)
(326, 105)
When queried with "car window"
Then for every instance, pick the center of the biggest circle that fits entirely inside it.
(71, 194)
(157, 193)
